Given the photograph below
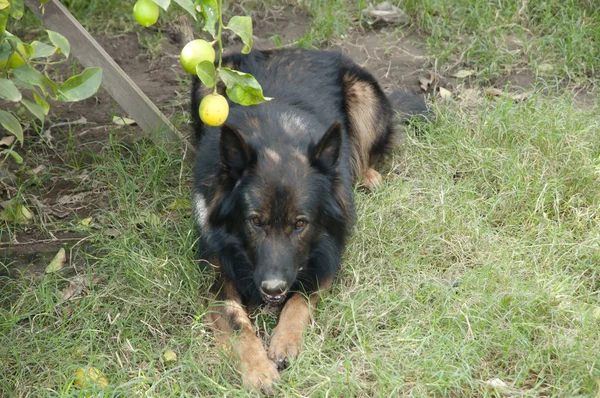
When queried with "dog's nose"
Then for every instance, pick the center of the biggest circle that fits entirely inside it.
(273, 287)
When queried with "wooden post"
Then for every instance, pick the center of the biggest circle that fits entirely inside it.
(114, 80)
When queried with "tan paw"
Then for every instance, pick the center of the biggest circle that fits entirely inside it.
(261, 375)
(284, 347)
(371, 179)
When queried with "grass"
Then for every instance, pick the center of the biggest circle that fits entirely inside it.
(477, 260)
(555, 39)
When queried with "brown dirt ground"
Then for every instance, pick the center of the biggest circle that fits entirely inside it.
(397, 60)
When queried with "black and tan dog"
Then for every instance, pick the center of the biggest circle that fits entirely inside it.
(273, 194)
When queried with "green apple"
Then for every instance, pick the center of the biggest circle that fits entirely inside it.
(146, 12)
(195, 52)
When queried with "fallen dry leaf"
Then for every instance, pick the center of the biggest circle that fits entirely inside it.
(461, 74)
(7, 141)
(517, 97)
(113, 232)
(85, 377)
(494, 92)
(521, 96)
(75, 288)
(500, 386)
(71, 199)
(49, 209)
(20, 214)
(26, 213)
(57, 262)
(37, 170)
(445, 94)
(169, 355)
(425, 82)
(123, 121)
(58, 213)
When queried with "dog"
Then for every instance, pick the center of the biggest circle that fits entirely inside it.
(273, 192)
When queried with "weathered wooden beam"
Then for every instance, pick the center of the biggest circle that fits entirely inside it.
(114, 80)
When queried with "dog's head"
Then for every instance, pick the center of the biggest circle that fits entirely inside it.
(276, 202)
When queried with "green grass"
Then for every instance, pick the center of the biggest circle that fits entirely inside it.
(477, 260)
(329, 20)
(555, 39)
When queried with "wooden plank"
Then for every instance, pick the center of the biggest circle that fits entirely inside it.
(114, 80)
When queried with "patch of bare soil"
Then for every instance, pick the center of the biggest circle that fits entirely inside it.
(72, 133)
(59, 202)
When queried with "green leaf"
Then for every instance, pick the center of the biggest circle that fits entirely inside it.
(42, 50)
(60, 41)
(188, 5)
(18, 158)
(164, 4)
(28, 77)
(3, 19)
(4, 4)
(35, 109)
(16, 9)
(41, 102)
(206, 72)
(81, 86)
(11, 123)
(242, 88)
(26, 50)
(242, 26)
(5, 51)
(9, 91)
(210, 14)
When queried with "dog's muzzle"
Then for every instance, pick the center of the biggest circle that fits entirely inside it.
(273, 291)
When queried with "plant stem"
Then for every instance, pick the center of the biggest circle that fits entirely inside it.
(219, 39)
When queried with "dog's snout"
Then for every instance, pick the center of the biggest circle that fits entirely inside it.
(273, 287)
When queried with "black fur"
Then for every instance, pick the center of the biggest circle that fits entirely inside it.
(306, 127)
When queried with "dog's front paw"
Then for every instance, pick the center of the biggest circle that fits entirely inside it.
(260, 375)
(371, 179)
(285, 346)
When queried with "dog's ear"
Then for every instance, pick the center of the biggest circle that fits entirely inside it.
(236, 155)
(327, 151)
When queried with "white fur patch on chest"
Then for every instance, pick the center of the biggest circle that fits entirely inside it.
(200, 210)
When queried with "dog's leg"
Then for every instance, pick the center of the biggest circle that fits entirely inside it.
(370, 124)
(287, 336)
(232, 326)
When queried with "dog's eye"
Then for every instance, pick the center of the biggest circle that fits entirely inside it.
(255, 221)
(300, 224)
